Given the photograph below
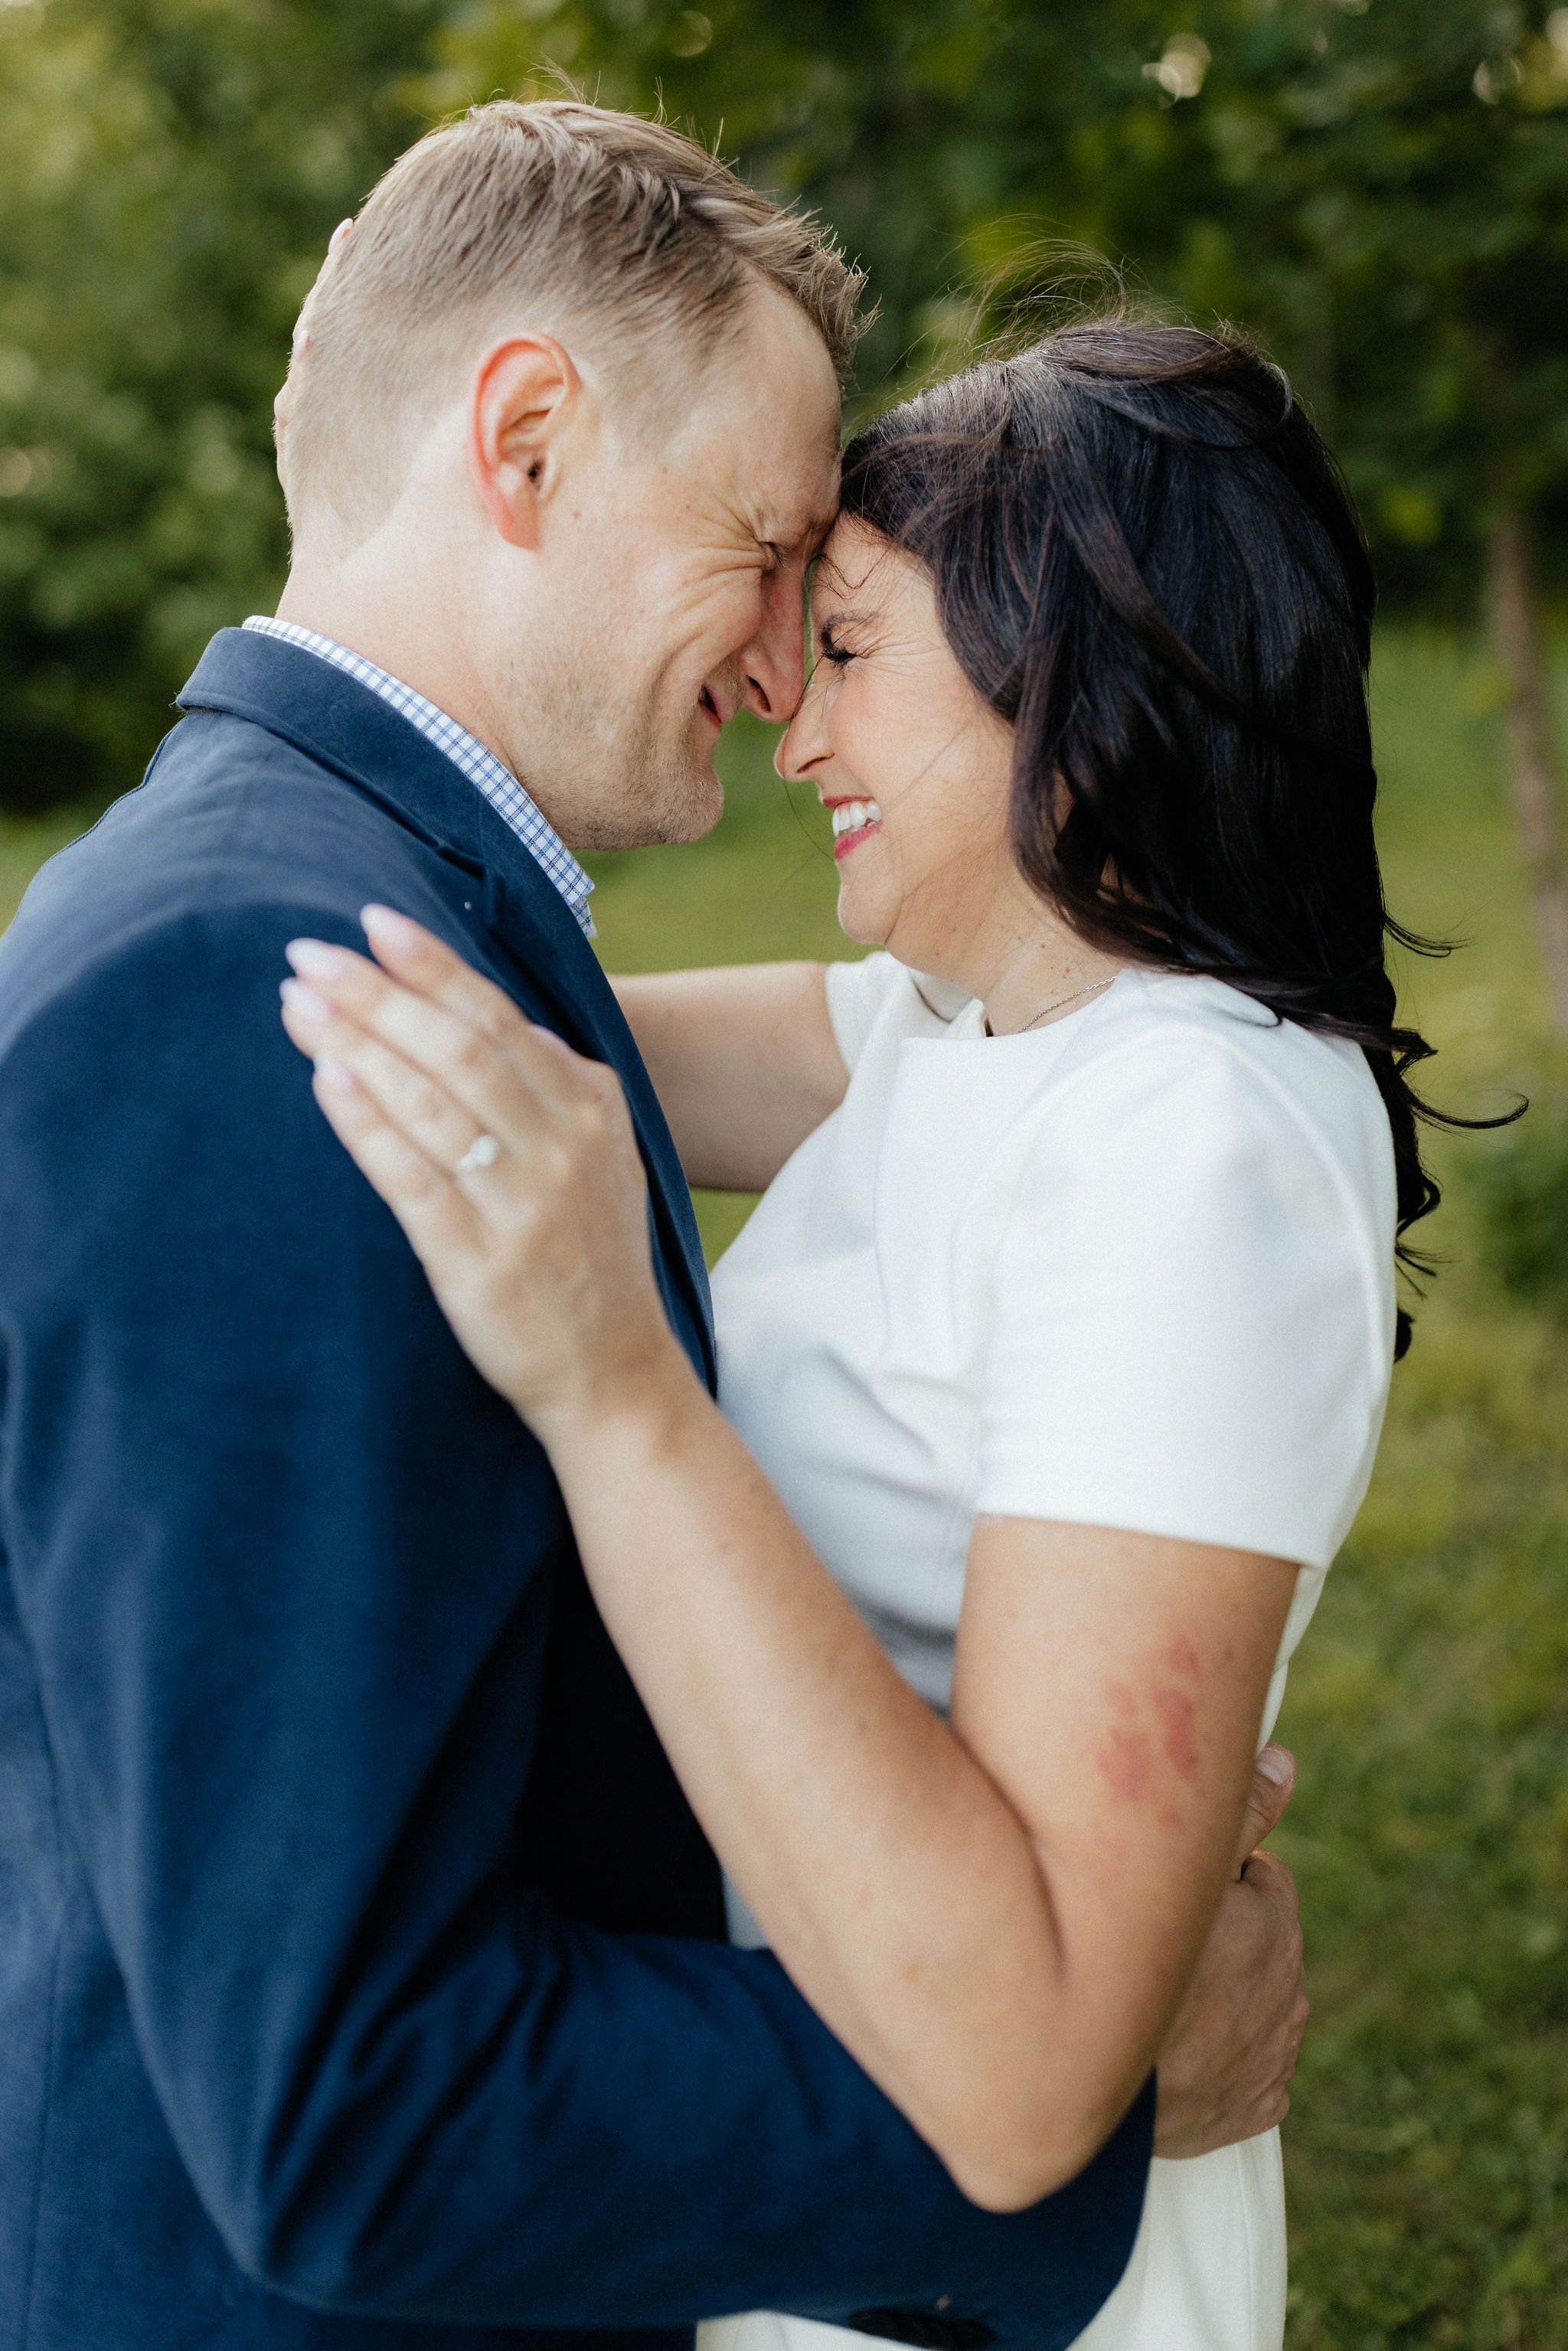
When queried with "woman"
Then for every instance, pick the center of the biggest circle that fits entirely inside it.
(1055, 1356)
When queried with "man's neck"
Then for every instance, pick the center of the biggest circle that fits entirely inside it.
(405, 644)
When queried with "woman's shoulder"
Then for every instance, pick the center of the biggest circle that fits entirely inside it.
(879, 998)
(1201, 1059)
(1191, 1278)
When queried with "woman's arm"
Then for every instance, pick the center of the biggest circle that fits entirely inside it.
(996, 1919)
(743, 1059)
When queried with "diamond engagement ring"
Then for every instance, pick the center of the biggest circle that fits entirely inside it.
(483, 1152)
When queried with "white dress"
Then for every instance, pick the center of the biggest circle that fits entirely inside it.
(1132, 1269)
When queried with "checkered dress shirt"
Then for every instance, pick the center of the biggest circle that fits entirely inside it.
(481, 768)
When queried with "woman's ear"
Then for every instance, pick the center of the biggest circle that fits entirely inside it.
(526, 400)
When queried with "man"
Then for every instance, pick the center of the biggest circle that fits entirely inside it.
(363, 1981)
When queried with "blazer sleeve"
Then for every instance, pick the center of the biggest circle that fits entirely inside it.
(283, 1561)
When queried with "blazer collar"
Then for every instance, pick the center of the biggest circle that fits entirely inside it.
(342, 725)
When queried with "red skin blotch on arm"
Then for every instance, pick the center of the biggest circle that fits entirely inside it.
(1178, 1727)
(1133, 1766)
(1127, 1764)
(1125, 1756)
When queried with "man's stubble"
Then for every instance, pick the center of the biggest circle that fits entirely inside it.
(614, 759)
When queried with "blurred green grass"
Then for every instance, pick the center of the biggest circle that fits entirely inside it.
(1428, 2150)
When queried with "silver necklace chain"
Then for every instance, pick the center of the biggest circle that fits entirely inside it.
(1077, 996)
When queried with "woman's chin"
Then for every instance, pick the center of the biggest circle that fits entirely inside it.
(861, 918)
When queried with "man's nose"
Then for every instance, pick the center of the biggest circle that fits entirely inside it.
(804, 744)
(773, 665)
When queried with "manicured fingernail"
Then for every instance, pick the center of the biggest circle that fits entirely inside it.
(317, 960)
(304, 1001)
(336, 1077)
(389, 930)
(1278, 1764)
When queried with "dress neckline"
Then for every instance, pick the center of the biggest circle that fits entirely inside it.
(969, 1026)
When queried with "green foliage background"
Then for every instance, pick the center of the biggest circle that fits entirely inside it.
(1380, 188)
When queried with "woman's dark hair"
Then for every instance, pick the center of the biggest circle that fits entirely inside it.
(1146, 560)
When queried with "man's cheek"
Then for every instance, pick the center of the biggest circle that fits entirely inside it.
(722, 609)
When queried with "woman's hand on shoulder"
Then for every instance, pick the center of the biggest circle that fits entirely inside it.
(509, 1161)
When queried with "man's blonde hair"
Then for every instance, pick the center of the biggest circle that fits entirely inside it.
(559, 211)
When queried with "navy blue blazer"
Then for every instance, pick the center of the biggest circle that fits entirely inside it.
(361, 1971)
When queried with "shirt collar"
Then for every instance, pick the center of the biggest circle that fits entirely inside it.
(483, 769)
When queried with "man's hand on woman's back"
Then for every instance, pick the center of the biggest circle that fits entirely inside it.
(1225, 2073)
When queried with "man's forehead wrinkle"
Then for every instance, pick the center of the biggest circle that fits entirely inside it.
(794, 507)
(774, 525)
(810, 534)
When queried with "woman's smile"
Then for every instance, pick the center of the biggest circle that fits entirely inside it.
(854, 820)
(897, 741)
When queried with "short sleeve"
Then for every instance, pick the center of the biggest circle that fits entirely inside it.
(860, 994)
(1191, 1332)
(856, 993)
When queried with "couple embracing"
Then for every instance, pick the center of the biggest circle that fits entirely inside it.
(499, 1846)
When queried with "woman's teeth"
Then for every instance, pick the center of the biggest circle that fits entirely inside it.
(853, 815)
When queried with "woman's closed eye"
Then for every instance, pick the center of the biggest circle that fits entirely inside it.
(829, 649)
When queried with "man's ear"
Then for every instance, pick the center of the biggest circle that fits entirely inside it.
(527, 398)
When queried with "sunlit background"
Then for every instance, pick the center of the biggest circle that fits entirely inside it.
(1379, 189)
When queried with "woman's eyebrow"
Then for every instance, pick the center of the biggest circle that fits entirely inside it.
(846, 616)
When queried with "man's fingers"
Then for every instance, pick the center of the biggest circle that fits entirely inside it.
(1273, 1781)
(1267, 1875)
(1223, 2071)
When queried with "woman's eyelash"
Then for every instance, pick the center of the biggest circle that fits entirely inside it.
(830, 651)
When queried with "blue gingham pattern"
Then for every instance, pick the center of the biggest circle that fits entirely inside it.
(481, 768)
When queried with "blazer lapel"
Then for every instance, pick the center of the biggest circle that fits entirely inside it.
(528, 918)
(343, 726)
